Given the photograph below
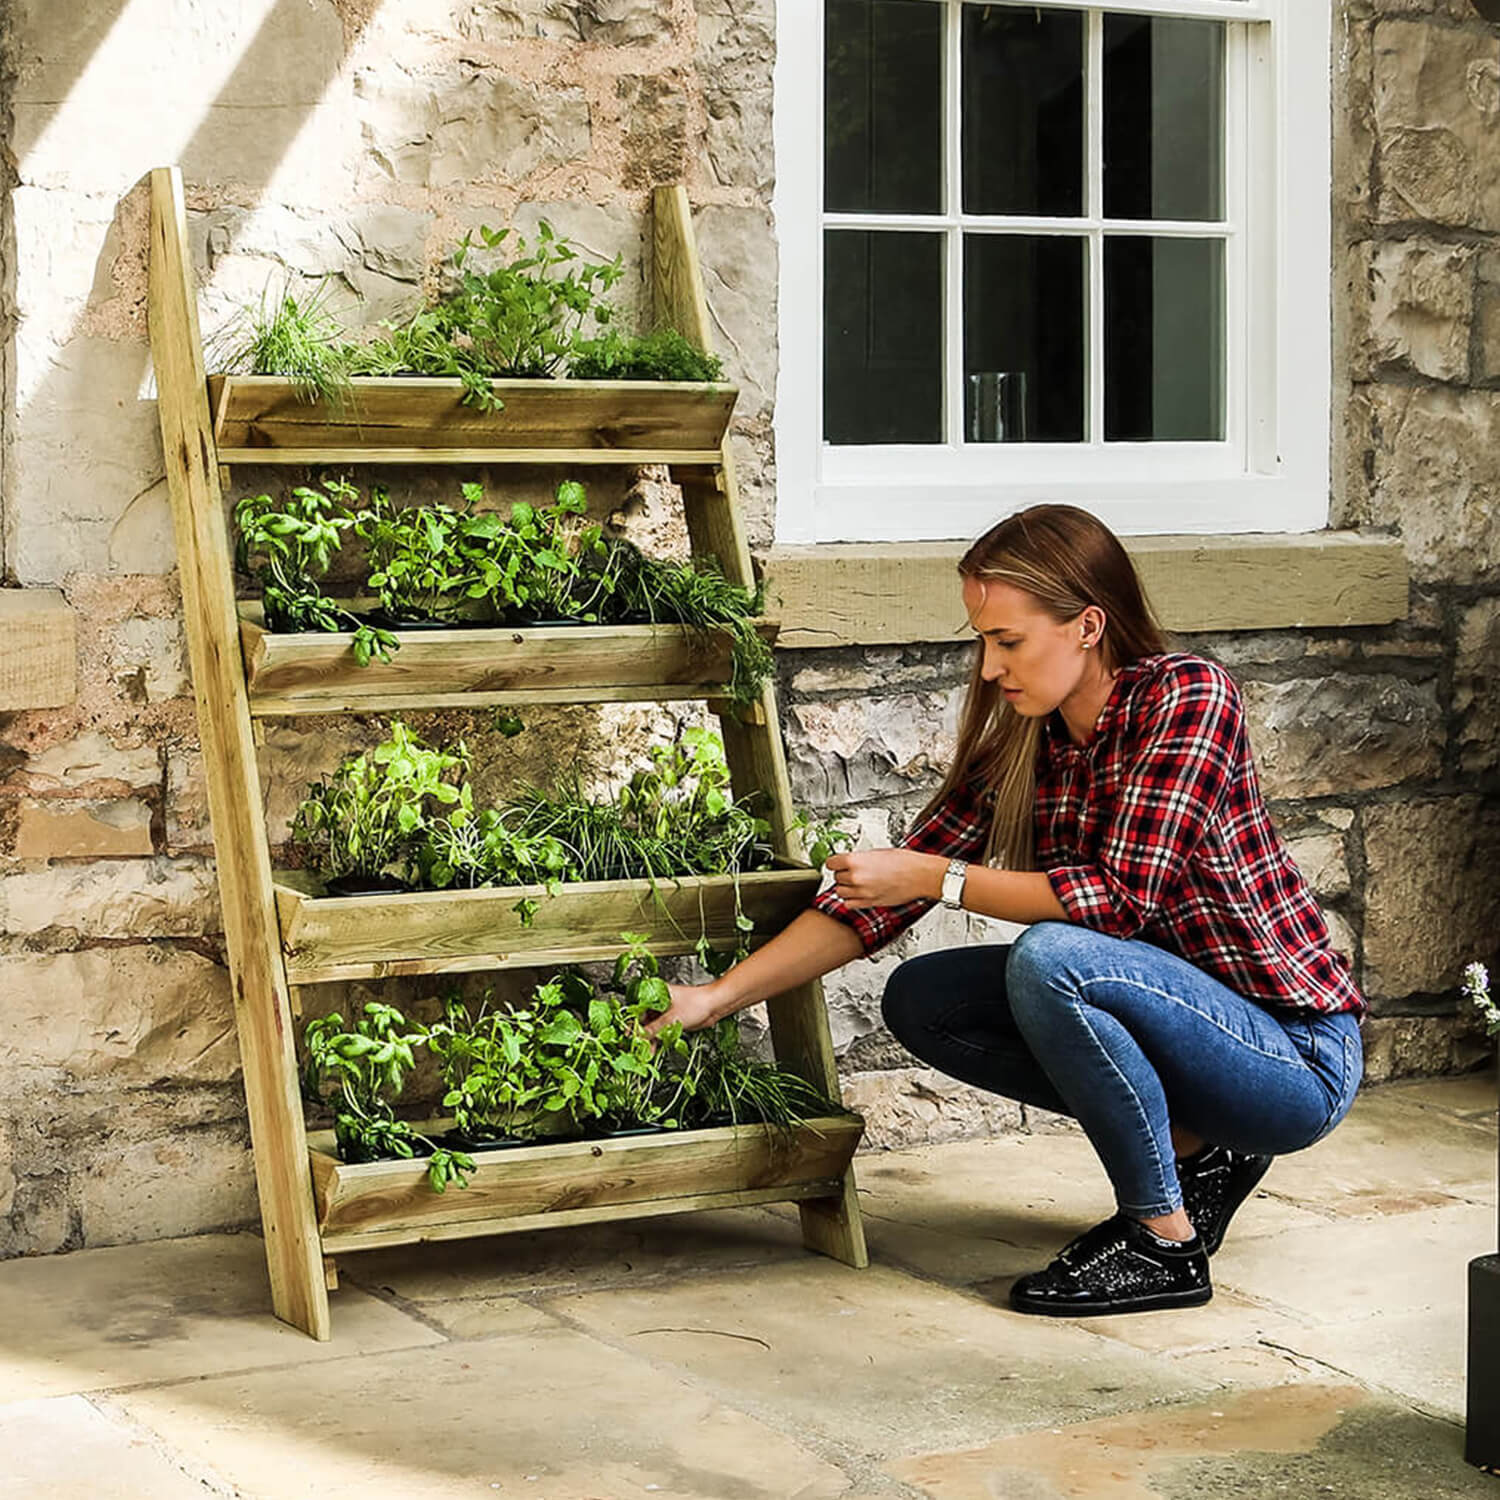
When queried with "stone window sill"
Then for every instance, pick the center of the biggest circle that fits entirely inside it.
(894, 593)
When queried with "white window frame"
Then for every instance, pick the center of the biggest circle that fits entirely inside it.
(1271, 474)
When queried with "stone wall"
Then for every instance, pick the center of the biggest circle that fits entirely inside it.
(358, 139)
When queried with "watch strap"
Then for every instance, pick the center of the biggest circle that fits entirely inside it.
(953, 883)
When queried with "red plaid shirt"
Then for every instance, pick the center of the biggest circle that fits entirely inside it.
(1156, 829)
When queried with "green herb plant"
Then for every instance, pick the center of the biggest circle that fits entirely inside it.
(360, 1072)
(417, 567)
(369, 817)
(292, 334)
(287, 546)
(519, 320)
(662, 355)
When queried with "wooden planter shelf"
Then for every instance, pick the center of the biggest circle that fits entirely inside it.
(282, 932)
(327, 938)
(404, 419)
(374, 1204)
(317, 673)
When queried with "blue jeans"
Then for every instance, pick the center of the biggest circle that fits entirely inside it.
(1128, 1039)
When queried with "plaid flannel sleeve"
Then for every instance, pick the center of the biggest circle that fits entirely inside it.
(1179, 779)
(957, 829)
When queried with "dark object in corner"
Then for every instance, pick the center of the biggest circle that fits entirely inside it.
(1482, 1427)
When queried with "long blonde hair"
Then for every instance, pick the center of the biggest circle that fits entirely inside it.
(1066, 560)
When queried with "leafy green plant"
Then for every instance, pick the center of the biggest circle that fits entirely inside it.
(519, 320)
(821, 837)
(564, 566)
(287, 546)
(296, 335)
(702, 598)
(368, 818)
(418, 567)
(662, 355)
(465, 848)
(360, 1072)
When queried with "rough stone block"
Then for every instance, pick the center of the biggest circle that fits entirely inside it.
(1486, 369)
(1437, 101)
(1314, 737)
(134, 898)
(64, 828)
(922, 1107)
(120, 1017)
(189, 830)
(148, 658)
(1421, 1046)
(1426, 466)
(654, 111)
(495, 21)
(468, 124)
(177, 1185)
(737, 247)
(1475, 696)
(852, 750)
(86, 470)
(1321, 858)
(624, 23)
(741, 143)
(94, 758)
(1415, 308)
(1430, 899)
(39, 663)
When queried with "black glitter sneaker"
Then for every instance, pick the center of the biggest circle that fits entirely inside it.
(1214, 1184)
(1118, 1266)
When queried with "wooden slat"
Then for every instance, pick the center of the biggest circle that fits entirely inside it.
(317, 673)
(261, 419)
(466, 1229)
(446, 932)
(752, 745)
(277, 1134)
(572, 1182)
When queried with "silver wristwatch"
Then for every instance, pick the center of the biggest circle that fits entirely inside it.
(953, 883)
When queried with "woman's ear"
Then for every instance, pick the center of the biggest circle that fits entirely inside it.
(1091, 623)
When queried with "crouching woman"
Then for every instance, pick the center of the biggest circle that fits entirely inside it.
(1175, 990)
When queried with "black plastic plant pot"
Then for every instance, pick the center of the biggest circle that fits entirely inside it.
(365, 885)
(357, 1153)
(545, 622)
(457, 1140)
(383, 619)
(616, 1132)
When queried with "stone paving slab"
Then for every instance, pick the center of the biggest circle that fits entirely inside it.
(1298, 1441)
(44, 1440)
(875, 1360)
(1348, 1272)
(560, 1259)
(165, 1311)
(551, 1415)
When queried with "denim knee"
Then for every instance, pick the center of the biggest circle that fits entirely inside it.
(1037, 957)
(903, 1001)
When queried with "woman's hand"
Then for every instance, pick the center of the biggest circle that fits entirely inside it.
(886, 877)
(694, 1005)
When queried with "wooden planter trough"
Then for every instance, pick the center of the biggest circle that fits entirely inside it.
(449, 932)
(374, 1204)
(261, 419)
(316, 672)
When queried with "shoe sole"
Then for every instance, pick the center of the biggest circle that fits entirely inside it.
(1233, 1207)
(1162, 1302)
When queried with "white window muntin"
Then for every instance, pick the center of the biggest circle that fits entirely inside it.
(1270, 472)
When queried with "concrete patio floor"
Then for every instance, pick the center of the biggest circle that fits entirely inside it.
(709, 1356)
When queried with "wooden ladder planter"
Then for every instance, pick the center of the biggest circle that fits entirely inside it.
(281, 932)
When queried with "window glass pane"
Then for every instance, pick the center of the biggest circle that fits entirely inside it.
(1022, 110)
(1163, 118)
(883, 106)
(882, 337)
(1163, 339)
(1023, 338)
